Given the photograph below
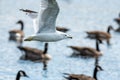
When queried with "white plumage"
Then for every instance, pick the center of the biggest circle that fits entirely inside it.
(44, 24)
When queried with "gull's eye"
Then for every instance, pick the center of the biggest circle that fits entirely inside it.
(65, 35)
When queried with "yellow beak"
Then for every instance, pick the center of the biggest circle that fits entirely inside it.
(70, 37)
(28, 39)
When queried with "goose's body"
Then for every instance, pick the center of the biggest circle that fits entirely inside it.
(62, 29)
(45, 23)
(17, 35)
(79, 77)
(101, 35)
(34, 54)
(82, 76)
(86, 51)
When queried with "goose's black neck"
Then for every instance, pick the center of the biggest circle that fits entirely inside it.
(95, 73)
(21, 23)
(18, 76)
(97, 45)
(109, 28)
(46, 48)
(22, 26)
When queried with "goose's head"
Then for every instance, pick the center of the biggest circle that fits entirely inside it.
(22, 73)
(20, 22)
(110, 28)
(99, 68)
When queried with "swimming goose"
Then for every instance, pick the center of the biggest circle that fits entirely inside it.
(62, 29)
(86, 51)
(33, 15)
(82, 76)
(101, 34)
(117, 20)
(34, 54)
(45, 28)
(20, 74)
(17, 35)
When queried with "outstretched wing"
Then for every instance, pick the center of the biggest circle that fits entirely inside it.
(47, 16)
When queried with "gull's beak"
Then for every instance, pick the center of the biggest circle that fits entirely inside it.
(70, 37)
(28, 39)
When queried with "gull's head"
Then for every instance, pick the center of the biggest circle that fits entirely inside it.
(29, 38)
(66, 36)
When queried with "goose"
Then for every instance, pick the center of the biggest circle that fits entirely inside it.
(101, 34)
(34, 54)
(45, 28)
(117, 20)
(86, 51)
(33, 15)
(17, 35)
(62, 29)
(82, 76)
(20, 74)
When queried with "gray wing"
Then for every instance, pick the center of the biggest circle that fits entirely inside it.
(47, 16)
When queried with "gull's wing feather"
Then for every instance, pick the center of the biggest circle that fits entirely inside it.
(35, 22)
(35, 25)
(47, 16)
(33, 15)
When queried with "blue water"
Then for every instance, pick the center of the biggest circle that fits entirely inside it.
(77, 15)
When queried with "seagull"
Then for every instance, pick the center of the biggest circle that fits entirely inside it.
(45, 30)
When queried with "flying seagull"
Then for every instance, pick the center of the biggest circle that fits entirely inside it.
(46, 20)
